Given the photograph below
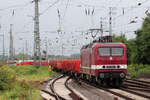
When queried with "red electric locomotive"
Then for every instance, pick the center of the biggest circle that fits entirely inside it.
(105, 63)
(102, 61)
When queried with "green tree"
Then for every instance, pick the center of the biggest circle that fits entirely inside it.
(131, 51)
(120, 38)
(21, 56)
(143, 42)
(131, 47)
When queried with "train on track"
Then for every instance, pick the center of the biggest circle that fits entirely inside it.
(102, 62)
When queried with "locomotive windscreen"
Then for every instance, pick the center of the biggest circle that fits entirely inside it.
(118, 51)
(104, 51)
(110, 51)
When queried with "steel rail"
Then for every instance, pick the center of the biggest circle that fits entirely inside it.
(139, 81)
(138, 89)
(141, 84)
(133, 92)
(57, 96)
(52, 93)
(110, 91)
(134, 85)
(73, 95)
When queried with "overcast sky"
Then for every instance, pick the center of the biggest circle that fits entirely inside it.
(74, 21)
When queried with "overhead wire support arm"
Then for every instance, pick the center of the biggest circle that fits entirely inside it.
(17, 6)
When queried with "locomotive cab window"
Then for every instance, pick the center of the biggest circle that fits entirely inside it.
(117, 51)
(104, 51)
(110, 51)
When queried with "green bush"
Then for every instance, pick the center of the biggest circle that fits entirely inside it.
(7, 79)
(136, 70)
(15, 82)
(13, 89)
(30, 72)
(24, 70)
(21, 91)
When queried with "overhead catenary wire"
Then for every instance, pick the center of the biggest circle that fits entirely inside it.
(66, 8)
(118, 3)
(51, 5)
(16, 6)
(139, 4)
(134, 21)
(130, 9)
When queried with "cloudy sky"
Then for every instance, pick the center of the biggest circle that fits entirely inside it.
(76, 17)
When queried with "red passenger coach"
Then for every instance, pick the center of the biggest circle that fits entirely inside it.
(104, 62)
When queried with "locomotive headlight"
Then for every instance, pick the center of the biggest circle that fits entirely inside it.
(96, 67)
(123, 66)
(100, 67)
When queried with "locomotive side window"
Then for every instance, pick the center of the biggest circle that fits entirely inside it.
(117, 51)
(104, 51)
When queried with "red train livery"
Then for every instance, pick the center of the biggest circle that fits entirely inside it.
(71, 67)
(104, 63)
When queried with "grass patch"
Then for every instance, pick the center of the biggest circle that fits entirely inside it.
(31, 73)
(15, 82)
(136, 70)
(20, 91)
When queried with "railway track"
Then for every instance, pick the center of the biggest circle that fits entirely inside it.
(53, 93)
(129, 90)
(126, 89)
(72, 94)
(110, 91)
(136, 80)
(132, 87)
(138, 83)
(137, 87)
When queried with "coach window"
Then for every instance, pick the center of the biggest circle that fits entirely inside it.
(104, 51)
